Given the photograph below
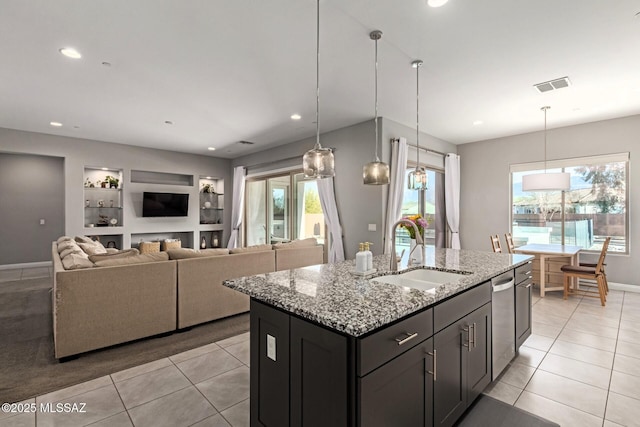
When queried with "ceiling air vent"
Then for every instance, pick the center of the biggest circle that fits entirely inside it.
(552, 84)
(246, 142)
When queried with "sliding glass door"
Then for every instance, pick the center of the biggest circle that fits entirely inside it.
(281, 208)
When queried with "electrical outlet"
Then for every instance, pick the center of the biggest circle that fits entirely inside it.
(372, 227)
(271, 347)
(41, 221)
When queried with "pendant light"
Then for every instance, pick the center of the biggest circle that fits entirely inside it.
(318, 162)
(417, 177)
(376, 172)
(547, 181)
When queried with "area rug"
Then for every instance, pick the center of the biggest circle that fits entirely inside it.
(27, 364)
(490, 412)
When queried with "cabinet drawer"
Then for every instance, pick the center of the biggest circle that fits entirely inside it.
(382, 346)
(451, 310)
(524, 272)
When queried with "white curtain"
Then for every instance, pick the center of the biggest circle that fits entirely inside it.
(396, 188)
(237, 211)
(452, 196)
(330, 210)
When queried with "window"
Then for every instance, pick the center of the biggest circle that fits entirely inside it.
(435, 232)
(594, 208)
(282, 208)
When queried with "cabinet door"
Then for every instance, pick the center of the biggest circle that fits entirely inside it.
(269, 366)
(449, 388)
(523, 312)
(319, 382)
(479, 358)
(399, 393)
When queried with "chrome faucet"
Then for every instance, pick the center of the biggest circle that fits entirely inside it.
(394, 261)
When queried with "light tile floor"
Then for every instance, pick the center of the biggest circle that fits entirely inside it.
(581, 365)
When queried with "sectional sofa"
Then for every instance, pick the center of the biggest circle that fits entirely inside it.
(99, 301)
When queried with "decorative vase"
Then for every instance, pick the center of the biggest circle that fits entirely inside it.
(203, 243)
(214, 241)
(416, 252)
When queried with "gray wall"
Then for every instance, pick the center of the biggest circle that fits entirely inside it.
(358, 204)
(485, 191)
(78, 153)
(31, 189)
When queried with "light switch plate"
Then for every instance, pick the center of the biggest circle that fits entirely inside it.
(271, 347)
(372, 227)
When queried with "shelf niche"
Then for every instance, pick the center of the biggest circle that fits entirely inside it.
(167, 178)
(102, 199)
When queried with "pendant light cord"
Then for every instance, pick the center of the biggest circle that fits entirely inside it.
(318, 75)
(545, 137)
(375, 120)
(418, 113)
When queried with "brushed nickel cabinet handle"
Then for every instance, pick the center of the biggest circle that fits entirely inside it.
(475, 337)
(435, 366)
(408, 337)
(467, 329)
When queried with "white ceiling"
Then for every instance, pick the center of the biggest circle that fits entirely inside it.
(226, 71)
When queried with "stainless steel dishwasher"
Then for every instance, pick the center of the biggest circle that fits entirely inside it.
(503, 322)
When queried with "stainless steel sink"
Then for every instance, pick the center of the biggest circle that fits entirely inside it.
(423, 279)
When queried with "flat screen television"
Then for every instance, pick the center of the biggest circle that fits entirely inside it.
(164, 204)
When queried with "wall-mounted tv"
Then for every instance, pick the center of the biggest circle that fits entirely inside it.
(165, 204)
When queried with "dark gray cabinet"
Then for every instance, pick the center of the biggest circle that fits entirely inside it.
(523, 303)
(399, 393)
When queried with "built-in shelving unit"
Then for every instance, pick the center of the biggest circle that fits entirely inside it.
(211, 200)
(103, 204)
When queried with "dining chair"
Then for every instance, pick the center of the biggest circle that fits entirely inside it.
(584, 272)
(495, 244)
(510, 246)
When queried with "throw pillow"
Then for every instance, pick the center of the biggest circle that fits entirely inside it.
(149, 247)
(63, 239)
(254, 248)
(76, 261)
(67, 244)
(72, 250)
(171, 244)
(114, 255)
(185, 253)
(134, 259)
(84, 239)
(93, 249)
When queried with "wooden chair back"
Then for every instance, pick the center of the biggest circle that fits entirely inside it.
(495, 244)
(509, 239)
(603, 254)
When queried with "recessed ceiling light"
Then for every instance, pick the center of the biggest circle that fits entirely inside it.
(436, 3)
(70, 52)
(105, 169)
(478, 123)
(296, 117)
(55, 124)
(211, 148)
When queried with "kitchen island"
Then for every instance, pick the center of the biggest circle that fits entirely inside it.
(329, 347)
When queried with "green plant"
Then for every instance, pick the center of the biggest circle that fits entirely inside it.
(207, 188)
(112, 180)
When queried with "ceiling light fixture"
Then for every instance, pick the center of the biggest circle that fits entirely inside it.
(554, 181)
(211, 148)
(318, 162)
(70, 52)
(296, 117)
(417, 177)
(478, 123)
(436, 3)
(55, 124)
(376, 172)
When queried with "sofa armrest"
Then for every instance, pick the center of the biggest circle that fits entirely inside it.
(297, 257)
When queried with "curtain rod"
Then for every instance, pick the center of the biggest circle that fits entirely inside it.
(422, 148)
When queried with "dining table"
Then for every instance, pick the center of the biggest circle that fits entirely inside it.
(544, 251)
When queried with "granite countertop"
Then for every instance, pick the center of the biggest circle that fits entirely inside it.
(331, 295)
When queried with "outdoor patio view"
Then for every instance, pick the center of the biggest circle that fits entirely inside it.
(594, 208)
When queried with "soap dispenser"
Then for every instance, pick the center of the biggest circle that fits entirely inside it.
(369, 255)
(361, 259)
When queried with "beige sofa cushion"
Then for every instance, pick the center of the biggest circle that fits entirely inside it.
(67, 244)
(254, 248)
(311, 241)
(71, 250)
(114, 255)
(134, 259)
(63, 239)
(76, 261)
(149, 247)
(185, 253)
(84, 239)
(170, 244)
(93, 249)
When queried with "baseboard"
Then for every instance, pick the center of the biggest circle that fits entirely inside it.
(26, 265)
(615, 286)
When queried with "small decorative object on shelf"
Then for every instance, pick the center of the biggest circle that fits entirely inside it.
(207, 188)
(103, 221)
(113, 221)
(87, 203)
(111, 244)
(101, 203)
(207, 205)
(113, 181)
(203, 243)
(214, 240)
(110, 203)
